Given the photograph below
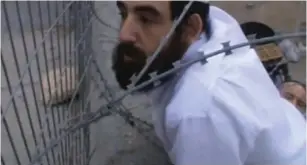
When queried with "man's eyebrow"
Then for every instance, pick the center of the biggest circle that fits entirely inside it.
(120, 4)
(147, 9)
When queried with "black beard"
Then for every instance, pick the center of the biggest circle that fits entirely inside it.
(124, 70)
(164, 62)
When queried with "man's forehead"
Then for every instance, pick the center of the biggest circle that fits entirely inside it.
(293, 87)
(160, 6)
(292, 84)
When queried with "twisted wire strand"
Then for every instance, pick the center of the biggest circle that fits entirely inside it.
(95, 116)
(167, 73)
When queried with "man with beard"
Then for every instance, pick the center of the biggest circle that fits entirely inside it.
(226, 111)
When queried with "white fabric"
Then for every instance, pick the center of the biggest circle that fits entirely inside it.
(290, 50)
(227, 112)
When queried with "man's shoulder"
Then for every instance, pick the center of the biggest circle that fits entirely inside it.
(190, 95)
(242, 67)
(222, 87)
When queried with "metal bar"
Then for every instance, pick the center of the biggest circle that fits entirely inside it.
(81, 65)
(60, 59)
(59, 52)
(71, 25)
(85, 139)
(67, 155)
(33, 58)
(8, 82)
(6, 127)
(91, 155)
(2, 161)
(80, 153)
(74, 110)
(86, 131)
(55, 142)
(61, 82)
(48, 79)
(70, 45)
(78, 66)
(30, 74)
(39, 76)
(54, 68)
(64, 152)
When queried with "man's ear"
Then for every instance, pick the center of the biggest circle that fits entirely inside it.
(193, 27)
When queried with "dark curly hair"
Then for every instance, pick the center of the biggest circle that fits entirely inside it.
(201, 8)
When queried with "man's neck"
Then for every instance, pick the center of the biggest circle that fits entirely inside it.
(192, 51)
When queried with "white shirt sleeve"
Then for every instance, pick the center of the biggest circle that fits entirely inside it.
(202, 141)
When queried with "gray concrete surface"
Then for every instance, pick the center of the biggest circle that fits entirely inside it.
(116, 143)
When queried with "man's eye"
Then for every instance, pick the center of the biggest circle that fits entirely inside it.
(123, 15)
(145, 20)
(289, 96)
(302, 105)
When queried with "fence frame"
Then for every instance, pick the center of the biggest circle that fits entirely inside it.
(67, 41)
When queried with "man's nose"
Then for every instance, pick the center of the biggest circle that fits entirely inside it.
(128, 31)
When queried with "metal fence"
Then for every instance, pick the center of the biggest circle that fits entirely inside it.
(49, 75)
(45, 56)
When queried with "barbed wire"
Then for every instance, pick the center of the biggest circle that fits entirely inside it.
(115, 106)
(93, 117)
(181, 66)
(150, 60)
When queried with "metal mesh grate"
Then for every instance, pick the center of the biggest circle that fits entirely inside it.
(44, 57)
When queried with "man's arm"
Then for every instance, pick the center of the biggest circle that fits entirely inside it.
(207, 141)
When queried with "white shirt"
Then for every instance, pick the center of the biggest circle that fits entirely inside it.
(227, 111)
